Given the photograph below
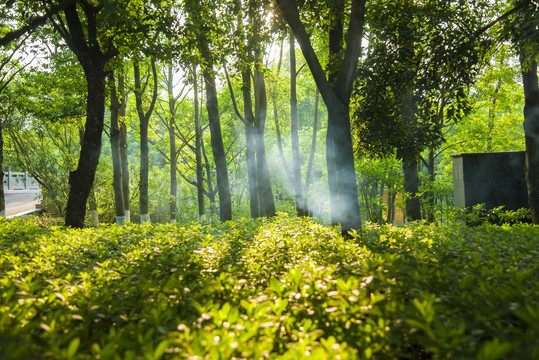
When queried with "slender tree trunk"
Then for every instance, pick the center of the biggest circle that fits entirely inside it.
(172, 144)
(250, 146)
(218, 149)
(411, 187)
(198, 153)
(391, 207)
(82, 179)
(124, 159)
(531, 133)
(311, 155)
(430, 195)
(492, 115)
(144, 151)
(2, 194)
(267, 203)
(294, 136)
(144, 121)
(115, 150)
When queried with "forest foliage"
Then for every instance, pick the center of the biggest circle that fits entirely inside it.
(424, 89)
(274, 288)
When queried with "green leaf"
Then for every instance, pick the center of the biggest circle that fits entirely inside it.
(160, 349)
(73, 347)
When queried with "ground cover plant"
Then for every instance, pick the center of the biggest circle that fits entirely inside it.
(280, 288)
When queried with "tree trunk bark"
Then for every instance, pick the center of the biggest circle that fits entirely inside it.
(250, 147)
(531, 133)
(341, 169)
(411, 187)
(430, 195)
(172, 144)
(267, 203)
(219, 155)
(124, 157)
(115, 150)
(336, 94)
(294, 136)
(198, 153)
(144, 150)
(82, 179)
(311, 155)
(144, 121)
(2, 194)
(391, 207)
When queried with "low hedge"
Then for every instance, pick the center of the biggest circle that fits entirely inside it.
(280, 288)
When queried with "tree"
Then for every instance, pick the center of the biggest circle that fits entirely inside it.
(115, 106)
(336, 90)
(296, 164)
(93, 32)
(198, 16)
(9, 69)
(523, 29)
(144, 120)
(198, 151)
(415, 81)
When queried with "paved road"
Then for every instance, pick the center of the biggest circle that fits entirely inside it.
(20, 201)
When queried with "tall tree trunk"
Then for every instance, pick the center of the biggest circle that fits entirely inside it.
(341, 169)
(198, 153)
(115, 150)
(411, 187)
(250, 147)
(336, 93)
(219, 155)
(172, 143)
(82, 179)
(144, 152)
(144, 121)
(391, 207)
(267, 203)
(430, 195)
(294, 136)
(310, 163)
(531, 133)
(2, 194)
(124, 159)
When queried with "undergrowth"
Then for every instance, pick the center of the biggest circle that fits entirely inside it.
(280, 288)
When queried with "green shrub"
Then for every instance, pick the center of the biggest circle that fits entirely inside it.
(280, 288)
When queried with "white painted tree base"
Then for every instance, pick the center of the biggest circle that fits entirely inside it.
(127, 215)
(173, 221)
(120, 220)
(94, 218)
(2, 213)
(144, 218)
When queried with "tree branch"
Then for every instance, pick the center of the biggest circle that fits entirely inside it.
(34, 23)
